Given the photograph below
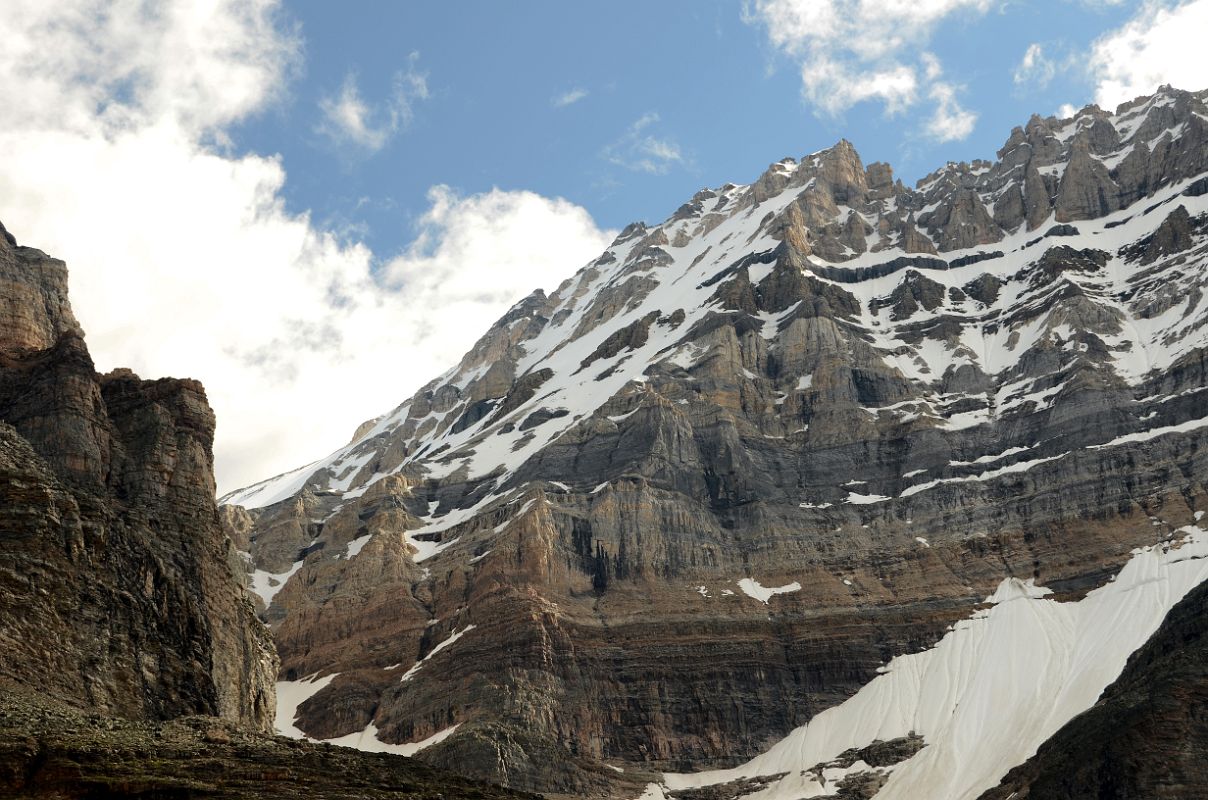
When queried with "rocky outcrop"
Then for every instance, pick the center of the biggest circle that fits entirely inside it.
(52, 751)
(116, 587)
(1146, 736)
(33, 299)
(1087, 190)
(1175, 235)
(961, 222)
(731, 521)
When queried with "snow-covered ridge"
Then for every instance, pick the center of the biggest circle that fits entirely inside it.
(667, 269)
(584, 354)
(821, 367)
(988, 694)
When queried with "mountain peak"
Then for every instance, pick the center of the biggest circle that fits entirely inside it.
(821, 408)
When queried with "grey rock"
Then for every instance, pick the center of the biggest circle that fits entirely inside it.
(1037, 198)
(1087, 190)
(1174, 235)
(961, 221)
(753, 439)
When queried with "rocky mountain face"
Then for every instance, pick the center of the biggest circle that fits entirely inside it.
(117, 592)
(132, 664)
(738, 465)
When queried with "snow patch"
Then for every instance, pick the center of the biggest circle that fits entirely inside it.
(355, 546)
(1144, 436)
(266, 584)
(865, 499)
(290, 695)
(753, 588)
(447, 642)
(368, 741)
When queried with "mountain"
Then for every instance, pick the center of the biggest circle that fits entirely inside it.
(132, 664)
(116, 587)
(805, 439)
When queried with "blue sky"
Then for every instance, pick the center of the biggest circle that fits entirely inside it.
(316, 208)
(723, 96)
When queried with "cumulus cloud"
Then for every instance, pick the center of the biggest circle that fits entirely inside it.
(950, 121)
(1035, 69)
(182, 256)
(1162, 43)
(480, 252)
(569, 98)
(104, 67)
(640, 150)
(853, 51)
(349, 120)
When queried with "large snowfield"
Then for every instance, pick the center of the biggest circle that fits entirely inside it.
(989, 693)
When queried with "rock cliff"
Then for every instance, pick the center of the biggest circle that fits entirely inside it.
(710, 486)
(117, 593)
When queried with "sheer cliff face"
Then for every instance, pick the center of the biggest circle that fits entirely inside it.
(731, 467)
(116, 587)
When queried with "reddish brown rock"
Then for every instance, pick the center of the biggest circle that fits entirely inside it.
(116, 591)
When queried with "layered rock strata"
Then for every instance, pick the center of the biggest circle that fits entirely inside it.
(655, 520)
(117, 593)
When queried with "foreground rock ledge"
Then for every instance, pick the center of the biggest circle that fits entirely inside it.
(49, 750)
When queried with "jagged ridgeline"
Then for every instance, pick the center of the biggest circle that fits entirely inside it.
(733, 468)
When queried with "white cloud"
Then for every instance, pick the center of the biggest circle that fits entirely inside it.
(1035, 69)
(569, 98)
(346, 118)
(483, 252)
(96, 67)
(640, 150)
(349, 120)
(410, 85)
(1162, 44)
(950, 122)
(183, 258)
(853, 51)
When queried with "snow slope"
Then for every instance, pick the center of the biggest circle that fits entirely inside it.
(291, 694)
(989, 693)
